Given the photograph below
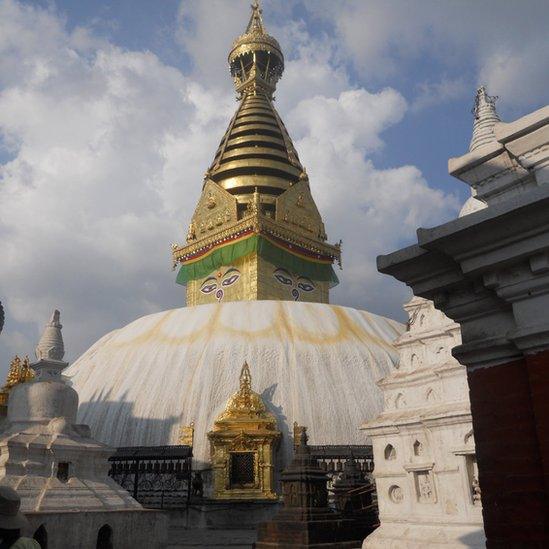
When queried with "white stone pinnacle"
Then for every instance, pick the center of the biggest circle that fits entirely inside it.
(486, 118)
(50, 346)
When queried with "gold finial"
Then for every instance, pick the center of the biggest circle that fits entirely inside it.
(256, 19)
(245, 379)
(256, 59)
(245, 402)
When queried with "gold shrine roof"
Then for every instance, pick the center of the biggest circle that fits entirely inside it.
(245, 404)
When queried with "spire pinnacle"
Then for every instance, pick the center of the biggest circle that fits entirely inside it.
(486, 117)
(256, 59)
(245, 379)
(256, 20)
(50, 346)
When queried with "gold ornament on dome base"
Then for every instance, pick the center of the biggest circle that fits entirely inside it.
(19, 372)
(243, 443)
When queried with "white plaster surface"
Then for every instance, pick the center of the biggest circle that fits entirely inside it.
(423, 443)
(313, 363)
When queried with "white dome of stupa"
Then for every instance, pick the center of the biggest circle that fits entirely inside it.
(312, 363)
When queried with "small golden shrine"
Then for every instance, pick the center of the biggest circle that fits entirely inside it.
(243, 442)
(19, 372)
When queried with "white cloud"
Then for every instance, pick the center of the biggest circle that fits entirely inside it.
(108, 151)
(434, 93)
(503, 42)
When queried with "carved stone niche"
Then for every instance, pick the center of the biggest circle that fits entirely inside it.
(243, 443)
(423, 481)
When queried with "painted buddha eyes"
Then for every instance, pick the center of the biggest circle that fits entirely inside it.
(283, 278)
(231, 279)
(306, 285)
(297, 283)
(219, 282)
(208, 286)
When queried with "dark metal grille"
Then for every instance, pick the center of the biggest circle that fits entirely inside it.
(332, 457)
(156, 476)
(242, 468)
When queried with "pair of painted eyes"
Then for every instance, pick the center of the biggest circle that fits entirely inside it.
(304, 284)
(211, 284)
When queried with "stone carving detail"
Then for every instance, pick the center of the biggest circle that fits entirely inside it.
(390, 452)
(400, 401)
(395, 494)
(418, 448)
(424, 487)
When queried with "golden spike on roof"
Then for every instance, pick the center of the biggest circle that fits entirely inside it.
(256, 19)
(245, 403)
(256, 59)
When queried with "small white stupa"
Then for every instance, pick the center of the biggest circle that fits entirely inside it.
(424, 452)
(486, 118)
(59, 471)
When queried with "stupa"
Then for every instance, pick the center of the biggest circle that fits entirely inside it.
(258, 271)
(59, 471)
(424, 451)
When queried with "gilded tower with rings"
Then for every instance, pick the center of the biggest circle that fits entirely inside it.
(256, 232)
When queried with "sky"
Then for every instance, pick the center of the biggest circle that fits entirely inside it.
(111, 111)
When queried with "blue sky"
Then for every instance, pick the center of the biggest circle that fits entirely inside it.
(110, 112)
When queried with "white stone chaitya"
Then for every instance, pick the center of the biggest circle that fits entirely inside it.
(425, 466)
(424, 451)
(59, 471)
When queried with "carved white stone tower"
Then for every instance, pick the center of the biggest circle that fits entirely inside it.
(424, 452)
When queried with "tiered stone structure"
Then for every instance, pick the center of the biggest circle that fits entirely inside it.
(59, 471)
(489, 271)
(424, 452)
(305, 520)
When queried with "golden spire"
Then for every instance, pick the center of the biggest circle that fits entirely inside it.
(256, 59)
(245, 402)
(256, 19)
(256, 200)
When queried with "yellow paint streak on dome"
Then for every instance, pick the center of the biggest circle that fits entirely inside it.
(283, 326)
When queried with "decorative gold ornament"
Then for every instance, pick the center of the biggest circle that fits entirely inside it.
(186, 435)
(19, 372)
(243, 442)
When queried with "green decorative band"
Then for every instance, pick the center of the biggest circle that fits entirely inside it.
(227, 255)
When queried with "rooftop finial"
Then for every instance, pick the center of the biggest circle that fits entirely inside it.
(245, 379)
(486, 118)
(256, 19)
(256, 59)
(50, 346)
